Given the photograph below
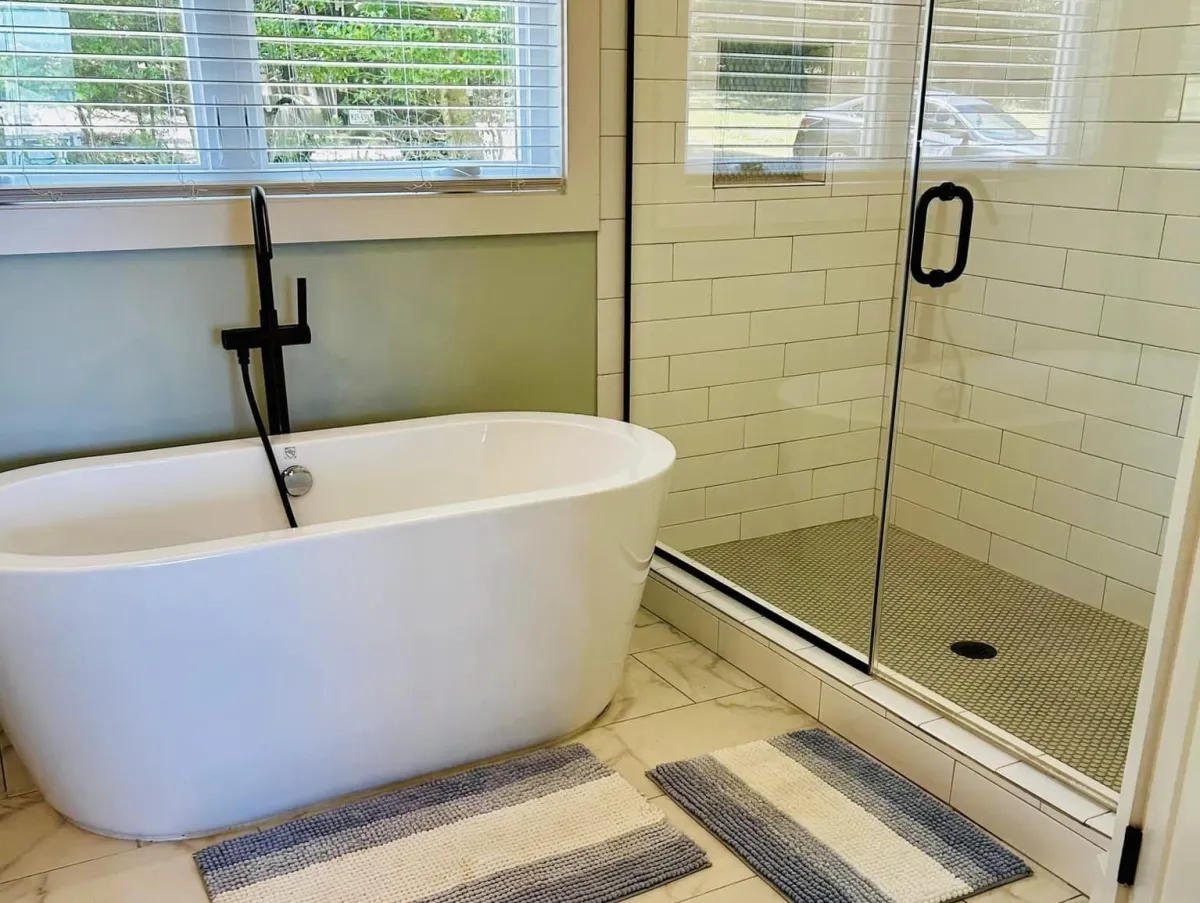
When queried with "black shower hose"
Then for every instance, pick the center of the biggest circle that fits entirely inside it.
(244, 362)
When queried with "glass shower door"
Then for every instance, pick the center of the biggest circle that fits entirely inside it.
(770, 145)
(1050, 332)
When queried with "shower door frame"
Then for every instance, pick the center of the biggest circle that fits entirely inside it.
(865, 664)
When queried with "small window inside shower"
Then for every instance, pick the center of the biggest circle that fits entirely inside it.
(747, 108)
(777, 90)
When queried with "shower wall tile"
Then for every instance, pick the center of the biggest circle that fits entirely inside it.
(706, 438)
(717, 368)
(734, 498)
(1161, 191)
(1078, 311)
(820, 355)
(1098, 476)
(1015, 523)
(1172, 371)
(994, 480)
(766, 521)
(824, 451)
(1129, 445)
(1027, 418)
(1050, 571)
(725, 467)
(1126, 524)
(1128, 602)
(1149, 491)
(792, 393)
(672, 300)
(781, 291)
(811, 267)
(1086, 362)
(947, 531)
(1137, 234)
(928, 492)
(1112, 400)
(745, 257)
(1114, 559)
(697, 534)
(669, 408)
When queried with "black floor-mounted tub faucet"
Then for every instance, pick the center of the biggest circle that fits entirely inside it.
(271, 339)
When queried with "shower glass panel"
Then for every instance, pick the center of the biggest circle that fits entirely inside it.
(770, 143)
(1044, 390)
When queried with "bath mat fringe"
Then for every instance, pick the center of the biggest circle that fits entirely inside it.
(553, 826)
(824, 823)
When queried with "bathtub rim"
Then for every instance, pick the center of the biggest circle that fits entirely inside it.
(655, 457)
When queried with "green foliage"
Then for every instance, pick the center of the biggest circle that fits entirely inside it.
(320, 59)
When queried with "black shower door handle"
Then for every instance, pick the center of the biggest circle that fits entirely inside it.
(947, 191)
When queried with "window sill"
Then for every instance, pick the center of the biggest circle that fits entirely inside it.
(63, 227)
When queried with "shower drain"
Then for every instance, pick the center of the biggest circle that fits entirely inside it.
(973, 649)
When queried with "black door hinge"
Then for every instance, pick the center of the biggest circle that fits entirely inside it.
(1131, 852)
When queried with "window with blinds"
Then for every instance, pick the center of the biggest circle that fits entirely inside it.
(151, 98)
(779, 88)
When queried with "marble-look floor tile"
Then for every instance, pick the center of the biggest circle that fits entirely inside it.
(616, 754)
(645, 618)
(655, 636)
(708, 726)
(1041, 887)
(17, 779)
(726, 868)
(160, 873)
(698, 672)
(34, 838)
(641, 692)
(754, 890)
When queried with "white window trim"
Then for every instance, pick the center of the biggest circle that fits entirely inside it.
(61, 226)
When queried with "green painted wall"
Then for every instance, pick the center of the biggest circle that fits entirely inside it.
(106, 352)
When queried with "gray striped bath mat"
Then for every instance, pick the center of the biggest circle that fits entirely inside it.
(553, 826)
(824, 823)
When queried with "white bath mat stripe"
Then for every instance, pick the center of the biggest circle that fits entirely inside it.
(554, 826)
(824, 823)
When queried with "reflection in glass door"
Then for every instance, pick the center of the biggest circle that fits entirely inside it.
(1048, 360)
(767, 245)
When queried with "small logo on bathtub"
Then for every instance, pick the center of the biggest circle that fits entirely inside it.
(289, 452)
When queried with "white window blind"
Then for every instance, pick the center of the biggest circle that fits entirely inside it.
(151, 98)
(778, 88)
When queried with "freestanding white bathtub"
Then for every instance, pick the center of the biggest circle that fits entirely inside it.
(175, 661)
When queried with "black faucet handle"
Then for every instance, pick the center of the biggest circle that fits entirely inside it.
(302, 300)
(298, 333)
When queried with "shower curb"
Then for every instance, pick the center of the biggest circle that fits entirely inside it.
(1044, 818)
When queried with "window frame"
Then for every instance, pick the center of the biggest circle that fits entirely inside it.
(128, 224)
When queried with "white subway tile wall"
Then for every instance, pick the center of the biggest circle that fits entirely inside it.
(772, 303)
(1043, 406)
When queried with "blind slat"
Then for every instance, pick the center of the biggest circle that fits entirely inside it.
(99, 92)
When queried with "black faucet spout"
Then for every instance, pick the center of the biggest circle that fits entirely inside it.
(269, 336)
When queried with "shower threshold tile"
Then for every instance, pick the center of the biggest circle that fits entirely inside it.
(1051, 791)
(897, 702)
(968, 743)
(727, 606)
